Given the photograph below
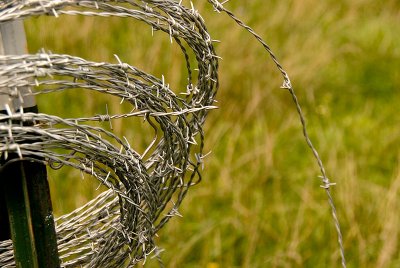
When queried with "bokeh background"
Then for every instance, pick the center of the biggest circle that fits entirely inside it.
(260, 203)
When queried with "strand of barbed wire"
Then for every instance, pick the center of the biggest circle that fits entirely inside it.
(219, 7)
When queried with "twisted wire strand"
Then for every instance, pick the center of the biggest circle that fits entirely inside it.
(117, 228)
(287, 85)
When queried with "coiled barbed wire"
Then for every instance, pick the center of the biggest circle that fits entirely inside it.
(145, 190)
(180, 118)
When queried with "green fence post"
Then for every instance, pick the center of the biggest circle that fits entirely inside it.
(15, 192)
(25, 190)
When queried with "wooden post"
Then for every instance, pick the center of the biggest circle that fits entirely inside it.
(24, 194)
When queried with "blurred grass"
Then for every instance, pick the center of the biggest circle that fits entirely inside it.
(260, 204)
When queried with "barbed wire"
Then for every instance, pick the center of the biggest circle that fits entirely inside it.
(287, 85)
(145, 190)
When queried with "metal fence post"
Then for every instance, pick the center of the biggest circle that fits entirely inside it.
(24, 194)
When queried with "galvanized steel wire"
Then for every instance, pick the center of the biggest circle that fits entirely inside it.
(326, 183)
(145, 190)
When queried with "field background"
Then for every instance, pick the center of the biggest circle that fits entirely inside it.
(260, 204)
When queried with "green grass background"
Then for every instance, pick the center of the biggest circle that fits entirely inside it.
(260, 204)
